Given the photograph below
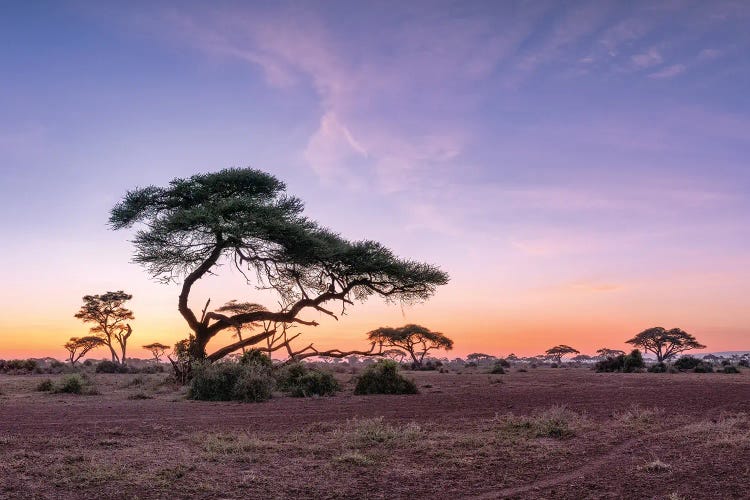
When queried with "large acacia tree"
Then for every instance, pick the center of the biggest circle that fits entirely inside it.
(665, 343)
(109, 315)
(245, 217)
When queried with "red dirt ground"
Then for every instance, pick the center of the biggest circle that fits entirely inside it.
(67, 446)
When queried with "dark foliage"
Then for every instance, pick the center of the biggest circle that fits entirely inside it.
(107, 366)
(626, 363)
(687, 363)
(498, 368)
(658, 368)
(228, 381)
(299, 381)
(730, 369)
(45, 385)
(383, 378)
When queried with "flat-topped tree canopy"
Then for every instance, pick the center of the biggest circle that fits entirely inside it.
(246, 216)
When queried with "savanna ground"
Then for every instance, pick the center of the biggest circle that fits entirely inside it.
(544, 433)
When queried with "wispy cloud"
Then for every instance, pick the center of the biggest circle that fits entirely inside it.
(647, 59)
(669, 72)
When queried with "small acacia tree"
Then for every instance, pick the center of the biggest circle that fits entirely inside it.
(605, 352)
(78, 347)
(664, 343)
(245, 218)
(416, 340)
(157, 350)
(109, 316)
(556, 353)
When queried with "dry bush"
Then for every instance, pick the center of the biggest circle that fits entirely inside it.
(656, 466)
(225, 444)
(354, 458)
(728, 431)
(556, 422)
(375, 431)
(639, 417)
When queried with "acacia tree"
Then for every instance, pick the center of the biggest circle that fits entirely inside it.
(416, 340)
(605, 352)
(665, 343)
(157, 350)
(245, 218)
(556, 353)
(78, 347)
(110, 317)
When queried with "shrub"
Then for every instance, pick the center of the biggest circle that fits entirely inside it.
(658, 368)
(72, 384)
(503, 362)
(228, 381)
(111, 367)
(383, 378)
(497, 368)
(44, 386)
(622, 363)
(256, 357)
(553, 365)
(687, 363)
(299, 381)
(730, 369)
(745, 363)
(703, 368)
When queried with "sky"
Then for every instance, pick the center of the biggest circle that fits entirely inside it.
(580, 169)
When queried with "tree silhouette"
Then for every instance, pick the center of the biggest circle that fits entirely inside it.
(157, 350)
(556, 353)
(78, 347)
(244, 217)
(416, 340)
(665, 343)
(109, 316)
(605, 352)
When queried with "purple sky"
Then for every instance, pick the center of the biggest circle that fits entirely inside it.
(581, 169)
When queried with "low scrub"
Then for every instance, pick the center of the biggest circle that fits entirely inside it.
(556, 422)
(730, 369)
(74, 384)
(498, 368)
(45, 385)
(229, 381)
(383, 378)
(626, 363)
(658, 368)
(299, 381)
(111, 367)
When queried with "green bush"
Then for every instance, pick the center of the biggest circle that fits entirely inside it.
(383, 378)
(730, 369)
(111, 367)
(658, 368)
(256, 357)
(299, 381)
(45, 385)
(687, 363)
(228, 381)
(703, 368)
(497, 368)
(623, 363)
(71, 384)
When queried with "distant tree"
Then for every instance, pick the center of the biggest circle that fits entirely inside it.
(665, 343)
(109, 316)
(512, 357)
(78, 347)
(396, 355)
(581, 358)
(605, 352)
(416, 340)
(244, 217)
(479, 356)
(157, 350)
(556, 353)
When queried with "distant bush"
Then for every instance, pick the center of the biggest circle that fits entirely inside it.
(18, 366)
(229, 381)
(703, 368)
(623, 363)
(730, 369)
(71, 384)
(744, 362)
(497, 368)
(111, 367)
(687, 363)
(522, 370)
(725, 362)
(503, 362)
(658, 368)
(383, 378)
(553, 365)
(45, 385)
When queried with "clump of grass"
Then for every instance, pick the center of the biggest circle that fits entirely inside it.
(230, 444)
(375, 431)
(656, 466)
(140, 395)
(71, 384)
(45, 385)
(354, 458)
(639, 417)
(728, 431)
(557, 422)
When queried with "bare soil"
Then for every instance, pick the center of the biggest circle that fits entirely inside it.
(546, 433)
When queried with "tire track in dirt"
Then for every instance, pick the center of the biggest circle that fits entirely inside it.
(586, 469)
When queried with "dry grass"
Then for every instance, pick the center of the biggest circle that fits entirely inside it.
(639, 418)
(656, 466)
(557, 422)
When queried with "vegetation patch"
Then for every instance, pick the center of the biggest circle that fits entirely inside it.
(556, 422)
(299, 381)
(383, 378)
